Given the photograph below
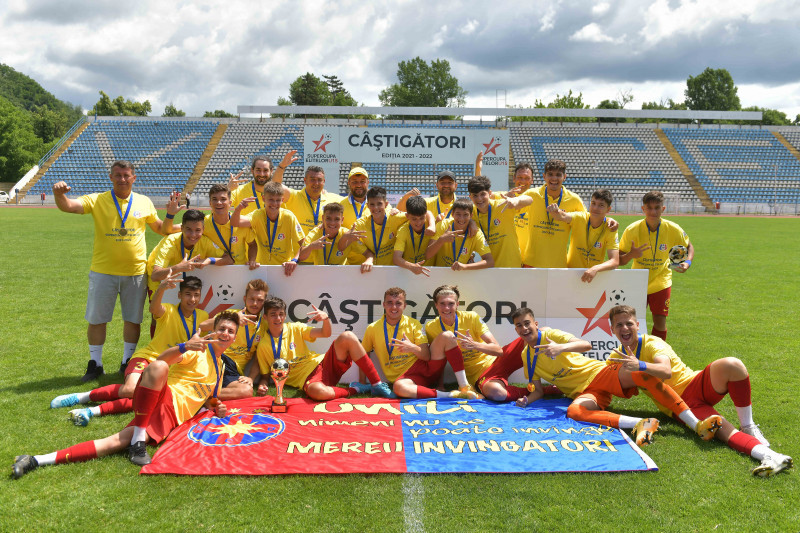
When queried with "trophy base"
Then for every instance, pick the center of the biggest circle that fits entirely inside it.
(278, 407)
(674, 266)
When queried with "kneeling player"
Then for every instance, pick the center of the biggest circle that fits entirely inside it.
(554, 355)
(316, 374)
(173, 388)
(174, 324)
(701, 390)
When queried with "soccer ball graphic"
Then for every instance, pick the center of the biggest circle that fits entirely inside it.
(617, 297)
(225, 293)
(677, 254)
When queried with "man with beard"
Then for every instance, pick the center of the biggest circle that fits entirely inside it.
(263, 172)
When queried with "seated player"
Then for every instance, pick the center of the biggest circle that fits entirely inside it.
(173, 388)
(453, 246)
(277, 232)
(591, 238)
(320, 246)
(496, 221)
(413, 238)
(239, 243)
(174, 324)
(656, 237)
(403, 353)
(701, 390)
(463, 338)
(555, 356)
(316, 374)
(377, 232)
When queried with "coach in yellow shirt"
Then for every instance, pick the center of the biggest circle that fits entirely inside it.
(118, 260)
(307, 203)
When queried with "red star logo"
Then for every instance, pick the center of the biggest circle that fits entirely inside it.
(491, 147)
(321, 145)
(591, 313)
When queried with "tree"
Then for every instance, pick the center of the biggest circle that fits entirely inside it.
(568, 101)
(712, 90)
(310, 90)
(119, 106)
(47, 124)
(20, 148)
(771, 117)
(218, 113)
(422, 85)
(172, 111)
(610, 104)
(663, 104)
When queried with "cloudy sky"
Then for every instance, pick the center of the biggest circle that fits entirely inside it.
(216, 54)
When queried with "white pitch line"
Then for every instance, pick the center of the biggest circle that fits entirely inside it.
(412, 503)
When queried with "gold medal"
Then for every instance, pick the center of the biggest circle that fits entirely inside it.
(531, 387)
(122, 232)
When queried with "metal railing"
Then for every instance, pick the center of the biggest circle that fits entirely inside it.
(61, 141)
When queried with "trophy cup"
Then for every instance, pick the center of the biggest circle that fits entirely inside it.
(280, 371)
(677, 255)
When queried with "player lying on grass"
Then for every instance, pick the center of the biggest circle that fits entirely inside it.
(173, 388)
(317, 374)
(555, 356)
(701, 390)
(401, 347)
(462, 338)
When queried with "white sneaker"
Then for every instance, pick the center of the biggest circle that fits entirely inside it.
(753, 431)
(772, 463)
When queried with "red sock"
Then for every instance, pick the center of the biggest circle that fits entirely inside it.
(85, 451)
(365, 364)
(515, 393)
(604, 418)
(425, 392)
(104, 394)
(552, 389)
(660, 391)
(659, 333)
(742, 442)
(123, 405)
(455, 358)
(740, 392)
(144, 403)
(339, 392)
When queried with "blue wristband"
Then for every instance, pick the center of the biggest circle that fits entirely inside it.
(642, 366)
(213, 260)
(688, 262)
(295, 260)
(182, 347)
(170, 216)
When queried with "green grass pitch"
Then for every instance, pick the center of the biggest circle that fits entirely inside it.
(739, 299)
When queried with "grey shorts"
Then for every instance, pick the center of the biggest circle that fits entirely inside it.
(103, 291)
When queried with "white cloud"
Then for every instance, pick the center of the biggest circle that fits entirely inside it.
(593, 33)
(600, 8)
(549, 17)
(470, 27)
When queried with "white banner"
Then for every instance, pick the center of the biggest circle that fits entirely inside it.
(353, 300)
(327, 146)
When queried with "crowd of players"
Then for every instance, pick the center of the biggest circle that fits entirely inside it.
(194, 361)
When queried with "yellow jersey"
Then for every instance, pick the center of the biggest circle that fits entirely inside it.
(230, 239)
(468, 323)
(500, 233)
(289, 345)
(244, 347)
(171, 251)
(247, 190)
(588, 246)
(192, 381)
(170, 331)
(113, 253)
(520, 223)
(548, 238)
(438, 207)
(656, 259)
(277, 241)
(393, 360)
(330, 255)
(461, 249)
(412, 246)
(381, 237)
(308, 211)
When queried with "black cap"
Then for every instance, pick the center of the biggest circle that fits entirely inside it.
(446, 174)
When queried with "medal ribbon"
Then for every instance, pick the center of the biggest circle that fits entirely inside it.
(653, 247)
(119, 209)
(183, 254)
(414, 247)
(389, 346)
(255, 194)
(532, 366)
(439, 208)
(327, 257)
(219, 234)
(453, 244)
(276, 352)
(353, 202)
(599, 236)
(638, 348)
(377, 244)
(488, 223)
(271, 237)
(316, 213)
(186, 326)
(216, 368)
(547, 197)
(250, 339)
(455, 328)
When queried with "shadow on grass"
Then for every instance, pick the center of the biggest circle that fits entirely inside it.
(60, 383)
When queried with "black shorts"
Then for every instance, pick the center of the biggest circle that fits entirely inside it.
(231, 373)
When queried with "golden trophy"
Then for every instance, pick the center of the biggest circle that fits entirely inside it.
(280, 371)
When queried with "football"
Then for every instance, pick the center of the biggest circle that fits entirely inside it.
(677, 254)
(280, 364)
(225, 293)
(617, 297)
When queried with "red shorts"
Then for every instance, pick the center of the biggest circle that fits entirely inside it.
(163, 420)
(136, 365)
(659, 302)
(605, 385)
(501, 369)
(700, 396)
(329, 371)
(425, 373)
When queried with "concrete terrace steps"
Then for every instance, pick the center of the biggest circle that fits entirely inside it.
(202, 163)
(47, 164)
(698, 189)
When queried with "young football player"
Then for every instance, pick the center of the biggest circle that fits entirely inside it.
(413, 238)
(452, 246)
(320, 246)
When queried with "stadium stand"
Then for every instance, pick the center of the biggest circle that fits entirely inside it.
(729, 165)
(164, 153)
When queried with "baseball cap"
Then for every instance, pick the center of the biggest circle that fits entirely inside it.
(446, 174)
(357, 170)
